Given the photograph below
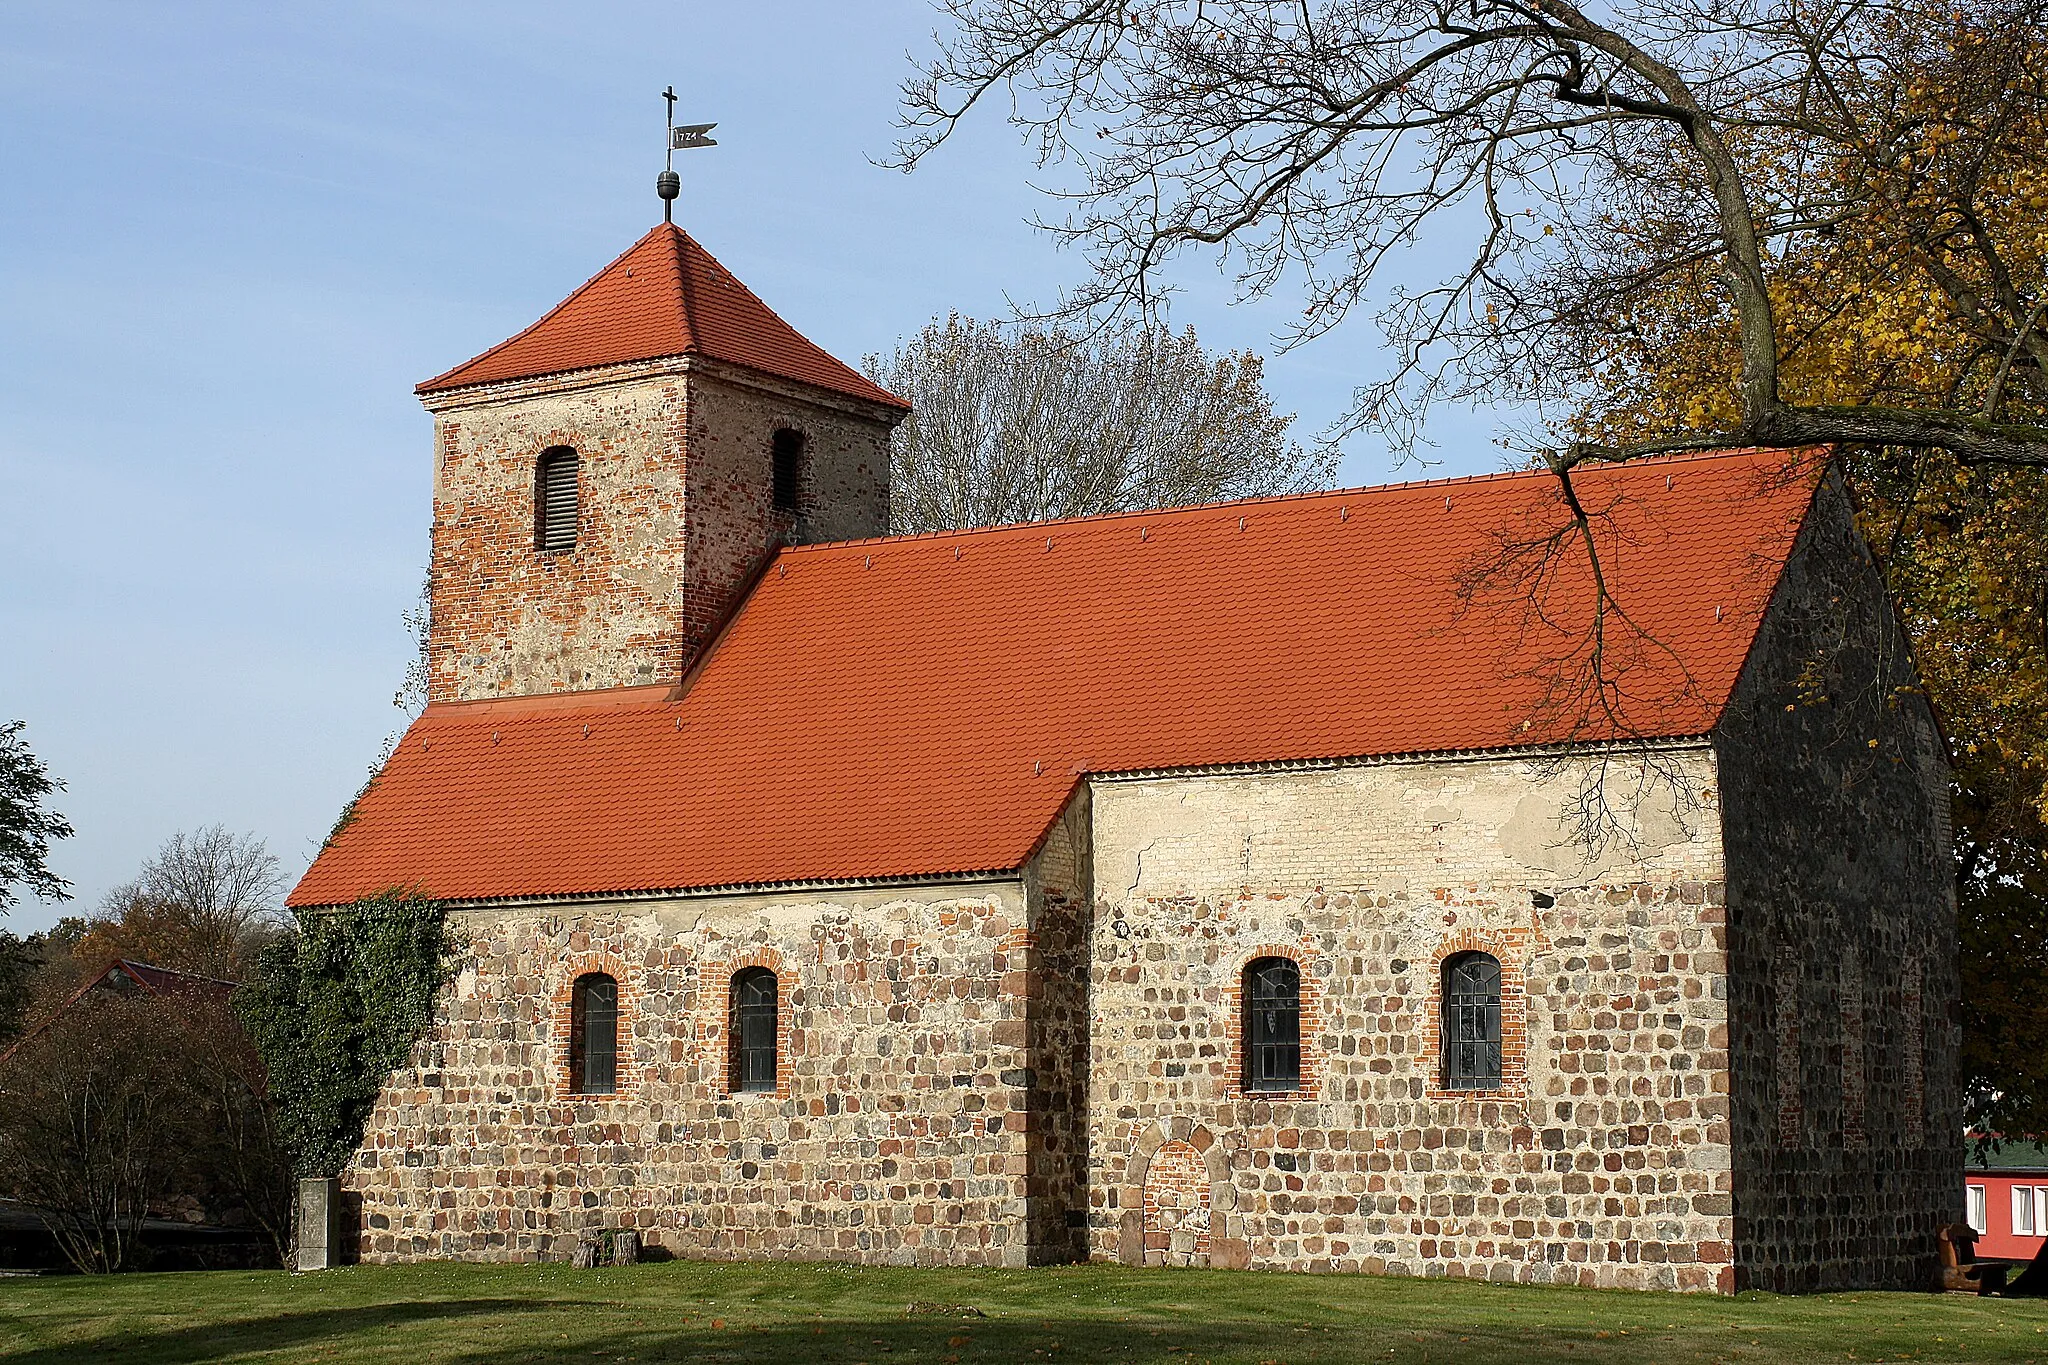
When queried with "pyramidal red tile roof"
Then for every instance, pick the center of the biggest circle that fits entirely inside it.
(666, 296)
(925, 705)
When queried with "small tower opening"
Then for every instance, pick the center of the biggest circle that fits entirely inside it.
(554, 500)
(787, 452)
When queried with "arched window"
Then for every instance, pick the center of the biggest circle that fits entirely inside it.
(1272, 1024)
(1471, 1022)
(594, 1035)
(554, 500)
(787, 453)
(753, 1029)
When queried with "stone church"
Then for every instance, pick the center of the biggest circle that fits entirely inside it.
(1328, 883)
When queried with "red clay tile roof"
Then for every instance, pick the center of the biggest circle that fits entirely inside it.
(166, 981)
(667, 296)
(923, 705)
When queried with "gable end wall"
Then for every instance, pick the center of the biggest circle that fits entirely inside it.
(1847, 1120)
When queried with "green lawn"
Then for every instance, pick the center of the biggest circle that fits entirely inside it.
(765, 1312)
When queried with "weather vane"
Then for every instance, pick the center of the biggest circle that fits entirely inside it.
(680, 139)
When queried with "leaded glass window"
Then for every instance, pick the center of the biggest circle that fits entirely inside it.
(753, 1029)
(1272, 1024)
(1471, 1022)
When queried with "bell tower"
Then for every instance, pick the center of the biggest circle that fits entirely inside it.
(608, 482)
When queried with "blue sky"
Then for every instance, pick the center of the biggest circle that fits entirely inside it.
(234, 236)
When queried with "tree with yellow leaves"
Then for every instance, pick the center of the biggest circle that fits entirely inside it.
(1873, 309)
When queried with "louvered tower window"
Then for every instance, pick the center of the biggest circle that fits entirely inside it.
(1272, 1024)
(1471, 1022)
(554, 500)
(594, 1035)
(753, 1029)
(787, 453)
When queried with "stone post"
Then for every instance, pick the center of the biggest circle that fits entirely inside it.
(319, 1243)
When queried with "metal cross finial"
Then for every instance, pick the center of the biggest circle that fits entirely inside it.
(668, 184)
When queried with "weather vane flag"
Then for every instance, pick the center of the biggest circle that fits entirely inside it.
(681, 138)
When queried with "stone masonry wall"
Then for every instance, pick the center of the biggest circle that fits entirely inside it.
(1604, 1160)
(1058, 888)
(899, 1133)
(508, 620)
(675, 507)
(843, 493)
(1848, 1126)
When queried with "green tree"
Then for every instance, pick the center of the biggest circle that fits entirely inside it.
(25, 961)
(27, 826)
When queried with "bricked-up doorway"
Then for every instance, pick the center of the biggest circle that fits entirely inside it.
(1177, 1199)
(1177, 1207)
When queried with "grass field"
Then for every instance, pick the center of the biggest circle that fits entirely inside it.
(835, 1314)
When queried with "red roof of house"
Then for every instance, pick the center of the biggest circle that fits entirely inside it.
(166, 981)
(666, 296)
(923, 705)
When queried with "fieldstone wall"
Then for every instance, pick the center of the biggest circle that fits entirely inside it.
(900, 1133)
(1848, 1126)
(1605, 1158)
(1058, 888)
(675, 510)
(843, 492)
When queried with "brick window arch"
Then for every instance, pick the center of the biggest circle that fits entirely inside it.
(1494, 1000)
(594, 1035)
(1259, 967)
(1471, 1021)
(1271, 1027)
(556, 494)
(755, 1036)
(569, 1018)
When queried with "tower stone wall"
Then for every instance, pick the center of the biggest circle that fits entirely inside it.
(675, 510)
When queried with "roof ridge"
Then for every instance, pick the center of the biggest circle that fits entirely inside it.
(685, 309)
(1267, 499)
(578, 292)
(171, 971)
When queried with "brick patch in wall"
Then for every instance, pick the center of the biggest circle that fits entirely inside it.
(1176, 1207)
(1177, 1198)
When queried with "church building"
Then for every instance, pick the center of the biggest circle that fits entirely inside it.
(1348, 882)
